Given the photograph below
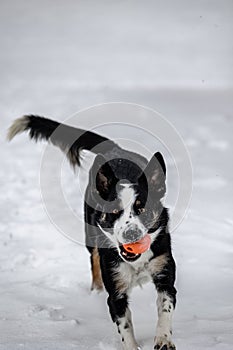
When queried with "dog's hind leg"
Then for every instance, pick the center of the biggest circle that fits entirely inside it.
(91, 232)
(97, 282)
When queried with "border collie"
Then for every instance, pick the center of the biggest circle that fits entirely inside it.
(123, 212)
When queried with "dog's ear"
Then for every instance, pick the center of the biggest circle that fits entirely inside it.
(155, 175)
(103, 175)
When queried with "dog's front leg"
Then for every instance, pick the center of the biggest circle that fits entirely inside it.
(166, 302)
(121, 315)
(165, 305)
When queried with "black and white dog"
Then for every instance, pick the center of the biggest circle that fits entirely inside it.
(122, 206)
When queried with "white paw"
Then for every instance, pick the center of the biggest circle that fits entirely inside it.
(162, 343)
(131, 347)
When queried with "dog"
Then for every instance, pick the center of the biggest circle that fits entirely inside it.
(126, 224)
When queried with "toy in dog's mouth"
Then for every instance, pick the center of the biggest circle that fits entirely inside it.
(132, 251)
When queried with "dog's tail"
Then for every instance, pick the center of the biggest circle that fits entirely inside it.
(69, 139)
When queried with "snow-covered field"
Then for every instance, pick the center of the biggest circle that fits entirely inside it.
(59, 57)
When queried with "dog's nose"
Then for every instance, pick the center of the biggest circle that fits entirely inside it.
(131, 235)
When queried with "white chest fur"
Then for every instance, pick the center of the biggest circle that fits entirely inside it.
(129, 275)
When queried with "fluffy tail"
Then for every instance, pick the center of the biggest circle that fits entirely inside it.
(70, 140)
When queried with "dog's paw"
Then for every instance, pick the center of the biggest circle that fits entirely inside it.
(131, 347)
(162, 343)
(97, 285)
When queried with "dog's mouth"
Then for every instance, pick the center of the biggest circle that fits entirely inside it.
(132, 251)
(128, 256)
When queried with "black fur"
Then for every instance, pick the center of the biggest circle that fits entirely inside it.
(69, 139)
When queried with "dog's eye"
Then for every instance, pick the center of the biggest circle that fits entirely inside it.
(103, 217)
(115, 211)
(142, 210)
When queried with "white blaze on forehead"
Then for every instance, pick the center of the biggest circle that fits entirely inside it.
(127, 196)
(128, 219)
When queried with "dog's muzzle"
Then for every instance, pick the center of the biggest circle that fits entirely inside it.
(130, 235)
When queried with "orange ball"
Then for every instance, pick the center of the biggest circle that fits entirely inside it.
(138, 247)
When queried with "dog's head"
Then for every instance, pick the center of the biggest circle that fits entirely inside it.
(129, 210)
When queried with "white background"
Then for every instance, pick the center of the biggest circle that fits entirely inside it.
(60, 56)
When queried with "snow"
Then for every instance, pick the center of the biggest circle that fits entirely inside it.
(59, 57)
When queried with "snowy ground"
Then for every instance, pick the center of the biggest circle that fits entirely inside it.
(44, 278)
